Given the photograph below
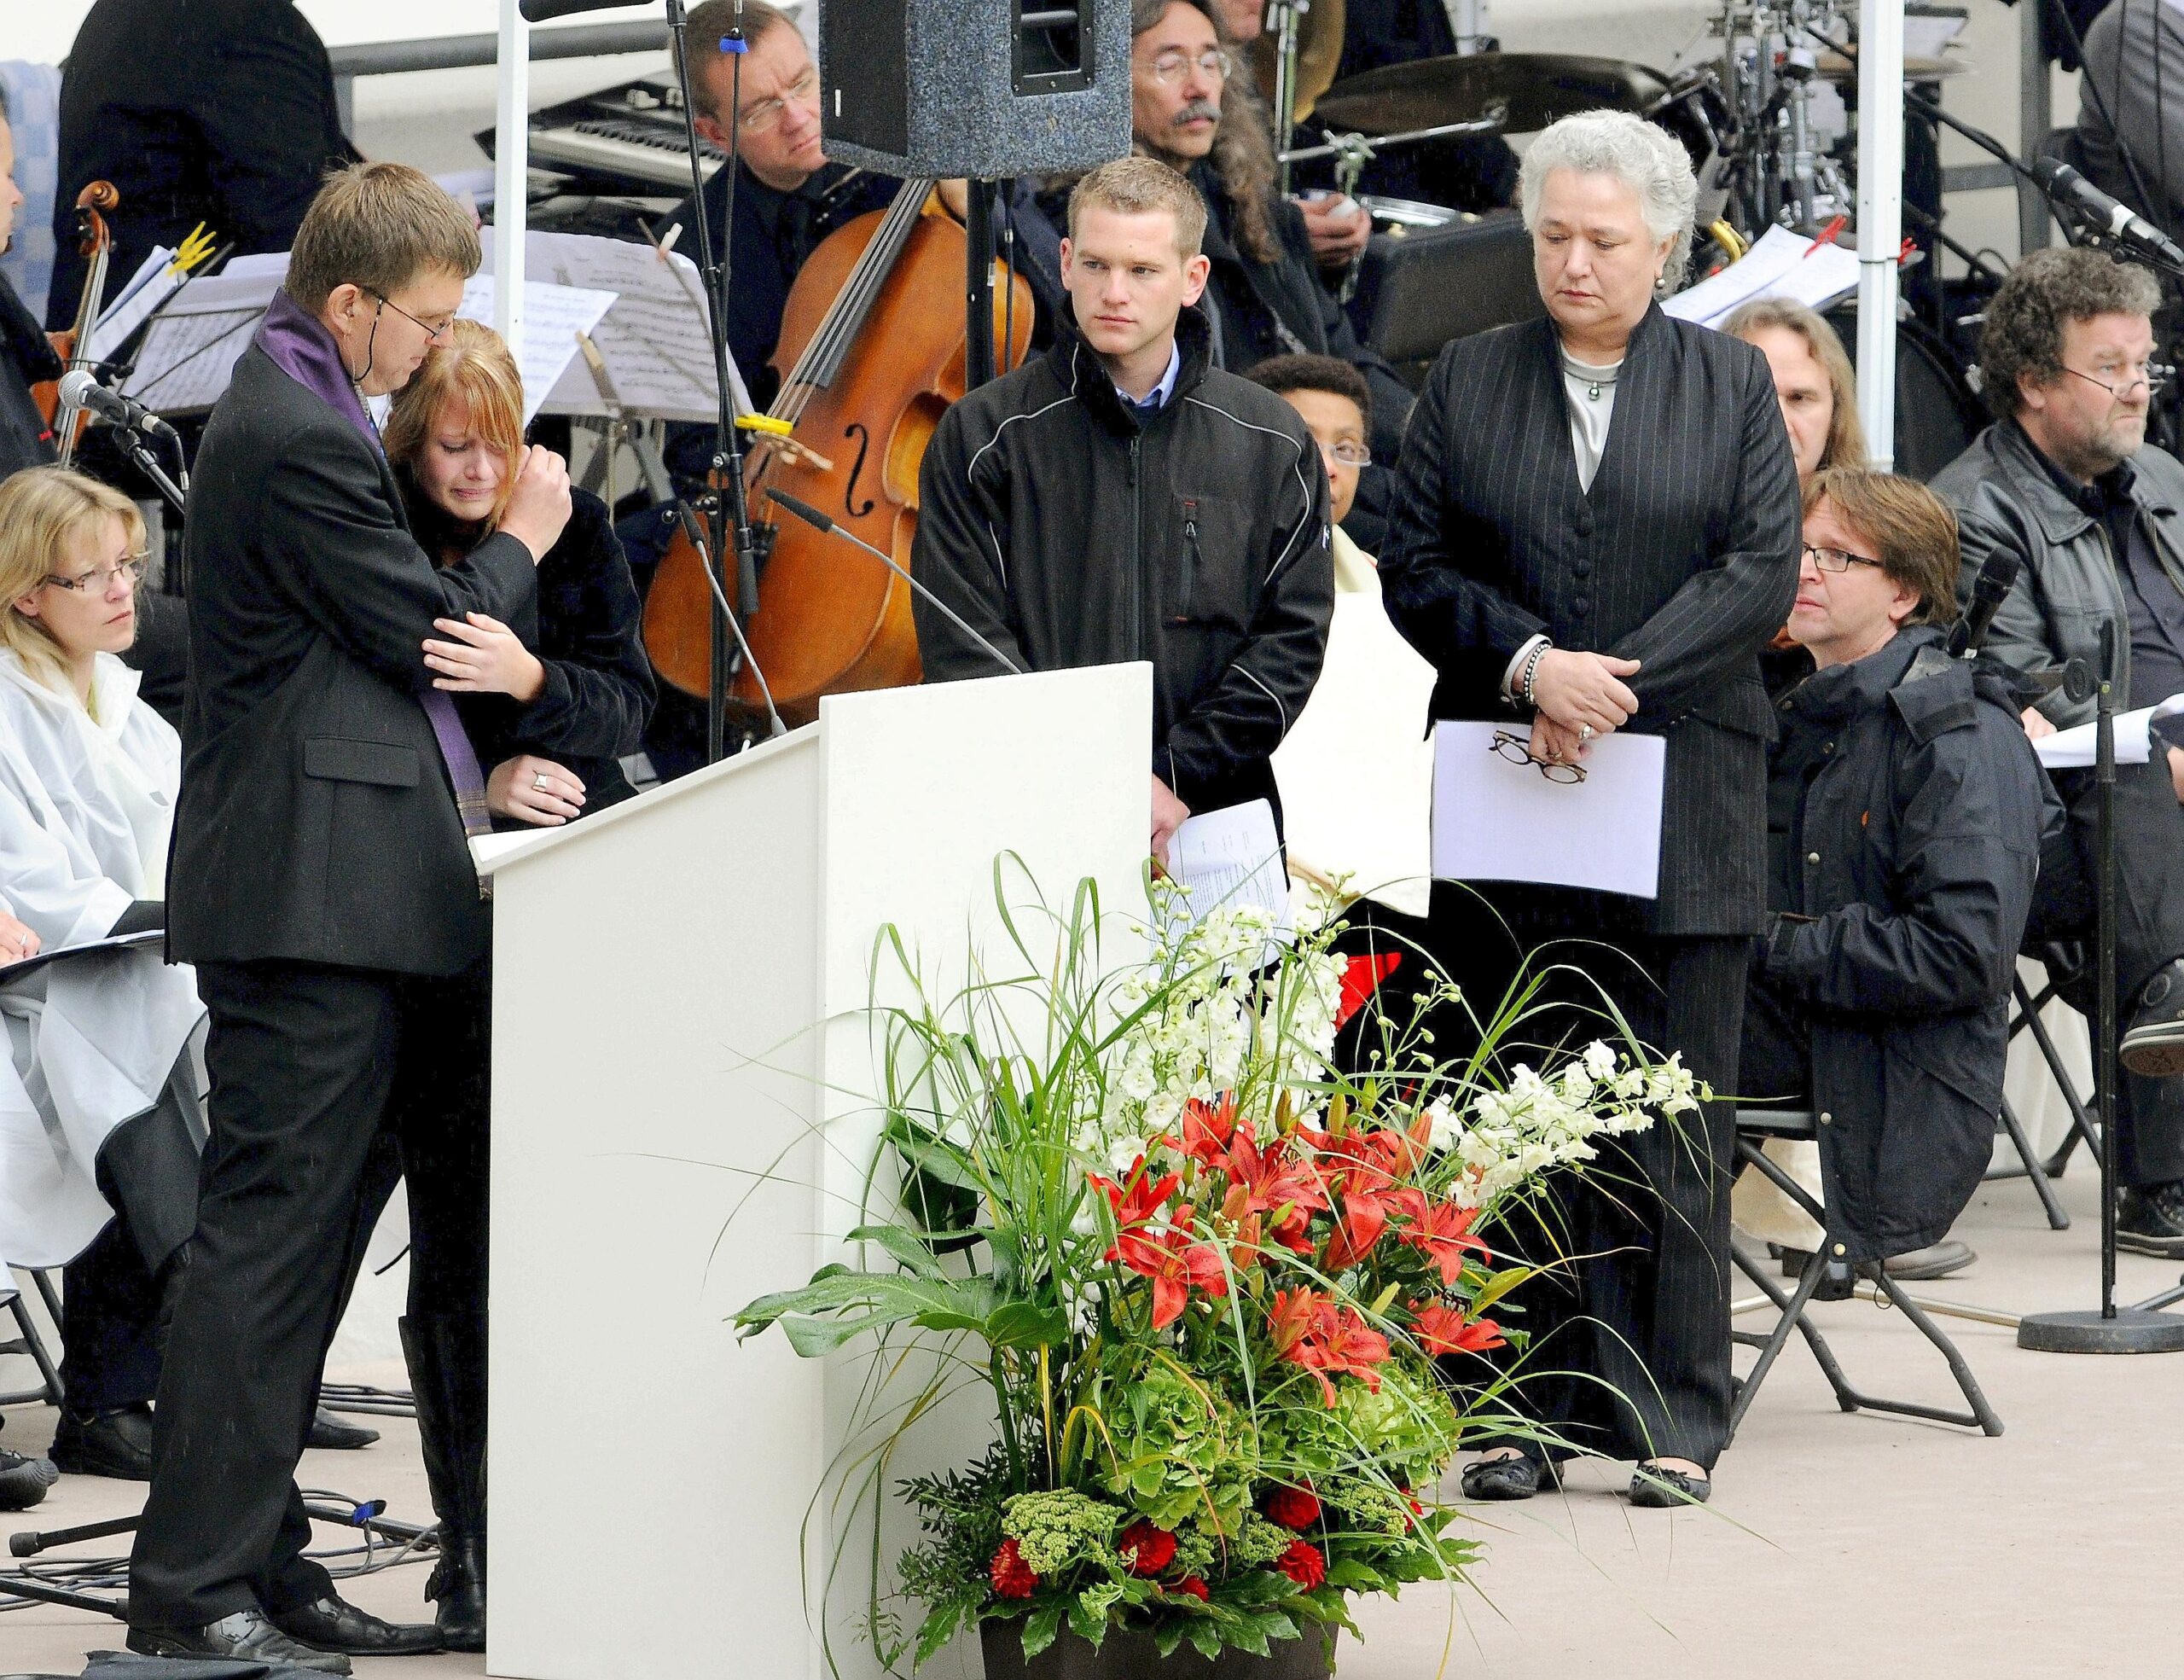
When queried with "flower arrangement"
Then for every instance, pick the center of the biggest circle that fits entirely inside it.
(1228, 1302)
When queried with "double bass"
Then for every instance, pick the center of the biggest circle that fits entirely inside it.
(870, 355)
(95, 241)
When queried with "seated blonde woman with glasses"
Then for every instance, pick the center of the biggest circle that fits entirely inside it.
(99, 1121)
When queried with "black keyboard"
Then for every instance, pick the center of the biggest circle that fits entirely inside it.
(631, 136)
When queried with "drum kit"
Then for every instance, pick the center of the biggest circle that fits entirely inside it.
(1765, 118)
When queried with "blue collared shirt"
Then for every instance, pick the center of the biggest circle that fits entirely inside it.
(1157, 399)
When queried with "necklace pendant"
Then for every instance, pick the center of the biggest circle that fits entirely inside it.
(1593, 391)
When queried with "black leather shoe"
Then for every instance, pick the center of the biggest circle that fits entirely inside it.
(2150, 1220)
(2152, 1046)
(1504, 1478)
(1655, 1487)
(245, 1636)
(331, 1623)
(23, 1481)
(116, 1444)
(458, 1587)
(327, 1431)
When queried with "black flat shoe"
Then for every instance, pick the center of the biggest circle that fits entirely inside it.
(1655, 1487)
(23, 1481)
(1503, 1478)
(246, 1637)
(116, 1444)
(327, 1431)
(331, 1623)
(2150, 1220)
(2152, 1046)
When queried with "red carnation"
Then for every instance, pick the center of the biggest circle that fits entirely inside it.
(1304, 1564)
(1147, 1550)
(1012, 1577)
(1292, 1507)
(1195, 1586)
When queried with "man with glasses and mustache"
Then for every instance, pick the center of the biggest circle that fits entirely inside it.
(2065, 483)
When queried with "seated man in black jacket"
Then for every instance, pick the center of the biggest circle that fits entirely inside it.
(1904, 815)
(1223, 581)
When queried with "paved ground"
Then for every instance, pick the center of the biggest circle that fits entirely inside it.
(1836, 1546)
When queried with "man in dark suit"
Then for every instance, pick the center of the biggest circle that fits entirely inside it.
(220, 112)
(321, 882)
(1596, 527)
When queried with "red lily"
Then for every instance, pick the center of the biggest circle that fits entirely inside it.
(1175, 1264)
(1290, 1320)
(1443, 1231)
(1361, 979)
(1273, 1178)
(1137, 1206)
(1441, 1329)
(1327, 1341)
(1207, 1129)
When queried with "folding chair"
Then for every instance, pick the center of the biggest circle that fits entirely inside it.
(27, 1341)
(2063, 963)
(1753, 1127)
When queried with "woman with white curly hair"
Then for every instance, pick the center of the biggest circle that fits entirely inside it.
(1597, 529)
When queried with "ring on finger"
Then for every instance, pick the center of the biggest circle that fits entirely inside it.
(538, 783)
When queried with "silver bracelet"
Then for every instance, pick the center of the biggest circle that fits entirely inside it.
(1531, 670)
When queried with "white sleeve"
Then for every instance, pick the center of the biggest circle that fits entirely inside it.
(62, 906)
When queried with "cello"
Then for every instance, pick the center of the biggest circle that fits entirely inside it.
(95, 241)
(871, 354)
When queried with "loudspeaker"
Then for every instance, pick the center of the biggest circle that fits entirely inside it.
(1420, 287)
(982, 88)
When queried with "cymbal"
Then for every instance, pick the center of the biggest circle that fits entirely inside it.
(1836, 67)
(1537, 87)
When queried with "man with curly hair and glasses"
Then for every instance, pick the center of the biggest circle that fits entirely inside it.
(2065, 484)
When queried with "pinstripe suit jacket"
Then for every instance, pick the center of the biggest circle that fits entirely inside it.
(1682, 556)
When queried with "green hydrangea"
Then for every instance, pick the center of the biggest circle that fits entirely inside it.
(1180, 1449)
(1053, 1530)
(1257, 1543)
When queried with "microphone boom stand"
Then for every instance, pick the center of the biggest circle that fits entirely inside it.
(2110, 1329)
(726, 507)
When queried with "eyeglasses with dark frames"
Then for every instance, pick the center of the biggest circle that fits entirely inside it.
(1515, 749)
(1836, 559)
(131, 567)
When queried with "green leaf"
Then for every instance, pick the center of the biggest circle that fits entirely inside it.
(935, 1156)
(1498, 1286)
(1040, 1628)
(1088, 1621)
(907, 1249)
(1205, 1637)
(937, 1629)
(1249, 1632)
(1025, 1324)
(1167, 1636)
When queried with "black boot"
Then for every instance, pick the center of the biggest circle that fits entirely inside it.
(447, 1374)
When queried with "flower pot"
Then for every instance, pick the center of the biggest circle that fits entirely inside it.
(1127, 1654)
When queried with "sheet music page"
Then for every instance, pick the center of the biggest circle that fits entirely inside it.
(2074, 748)
(1781, 264)
(553, 316)
(1231, 856)
(1494, 820)
(187, 359)
(148, 288)
(655, 340)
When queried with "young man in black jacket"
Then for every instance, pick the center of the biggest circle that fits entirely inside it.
(321, 882)
(1905, 816)
(1120, 498)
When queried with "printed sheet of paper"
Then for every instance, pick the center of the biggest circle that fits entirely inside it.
(2074, 748)
(189, 352)
(1494, 820)
(1781, 265)
(1356, 770)
(1228, 857)
(654, 340)
(152, 285)
(553, 316)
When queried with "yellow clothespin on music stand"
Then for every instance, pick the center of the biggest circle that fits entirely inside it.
(193, 251)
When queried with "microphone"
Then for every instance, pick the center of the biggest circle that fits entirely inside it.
(538, 11)
(819, 522)
(1989, 590)
(694, 529)
(80, 389)
(2119, 221)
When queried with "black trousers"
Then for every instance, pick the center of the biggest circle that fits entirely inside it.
(1629, 1331)
(113, 1294)
(2149, 933)
(317, 1073)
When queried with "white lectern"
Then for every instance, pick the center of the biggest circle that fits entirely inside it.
(678, 1128)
